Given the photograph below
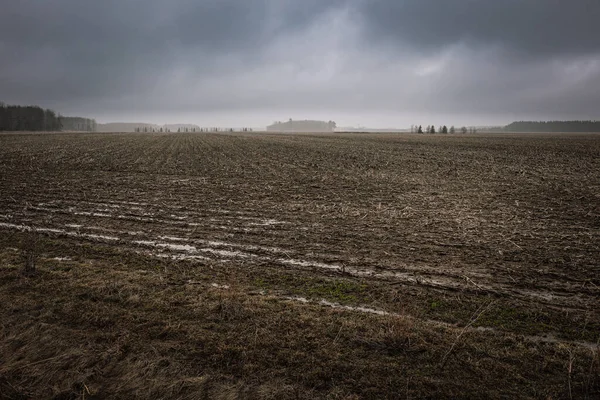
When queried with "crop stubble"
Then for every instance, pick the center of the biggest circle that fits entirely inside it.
(428, 229)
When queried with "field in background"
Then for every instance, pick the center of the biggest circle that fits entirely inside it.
(300, 266)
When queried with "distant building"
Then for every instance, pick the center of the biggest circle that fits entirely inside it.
(302, 126)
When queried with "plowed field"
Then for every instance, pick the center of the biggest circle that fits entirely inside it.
(300, 266)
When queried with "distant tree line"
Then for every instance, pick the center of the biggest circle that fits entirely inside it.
(553, 126)
(28, 118)
(302, 126)
(441, 129)
(78, 124)
(150, 129)
(147, 129)
(34, 118)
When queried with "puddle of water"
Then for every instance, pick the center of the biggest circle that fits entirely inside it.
(215, 243)
(58, 231)
(337, 306)
(170, 246)
(172, 238)
(192, 249)
(145, 217)
(216, 285)
(549, 338)
(177, 247)
(267, 222)
(92, 214)
(102, 237)
(193, 253)
(227, 253)
(366, 310)
(302, 263)
(177, 257)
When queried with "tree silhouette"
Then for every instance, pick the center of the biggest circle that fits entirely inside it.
(553, 126)
(34, 118)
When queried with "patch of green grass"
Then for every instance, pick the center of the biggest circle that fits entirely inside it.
(261, 283)
(436, 304)
(339, 290)
(533, 322)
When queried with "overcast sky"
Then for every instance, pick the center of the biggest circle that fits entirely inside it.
(250, 62)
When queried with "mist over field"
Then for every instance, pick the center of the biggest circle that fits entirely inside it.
(379, 63)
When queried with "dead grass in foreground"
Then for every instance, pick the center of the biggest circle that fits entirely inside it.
(299, 266)
(88, 327)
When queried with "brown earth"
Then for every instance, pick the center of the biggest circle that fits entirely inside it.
(300, 266)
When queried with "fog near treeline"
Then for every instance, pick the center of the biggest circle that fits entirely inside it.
(37, 119)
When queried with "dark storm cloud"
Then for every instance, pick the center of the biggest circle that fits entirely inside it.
(540, 57)
(470, 57)
(146, 25)
(76, 47)
(535, 28)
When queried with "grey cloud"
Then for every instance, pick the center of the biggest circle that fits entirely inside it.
(80, 46)
(151, 28)
(529, 28)
(399, 57)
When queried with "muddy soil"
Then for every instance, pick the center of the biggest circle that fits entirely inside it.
(431, 227)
